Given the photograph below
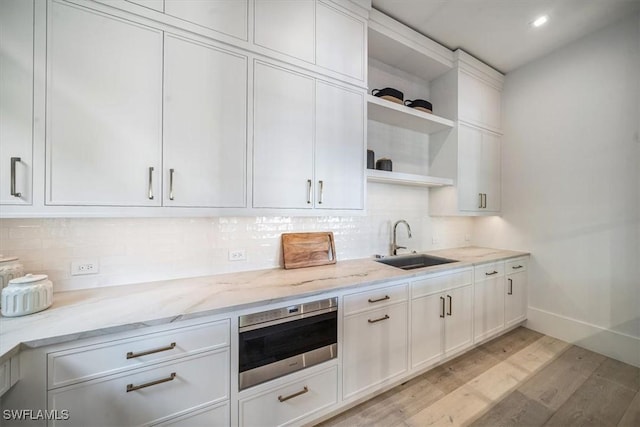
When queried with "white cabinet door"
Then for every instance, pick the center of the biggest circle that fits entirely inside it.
(286, 26)
(491, 172)
(225, 16)
(283, 138)
(339, 159)
(104, 110)
(375, 347)
(205, 119)
(515, 304)
(488, 305)
(459, 318)
(427, 323)
(340, 42)
(480, 103)
(469, 169)
(16, 101)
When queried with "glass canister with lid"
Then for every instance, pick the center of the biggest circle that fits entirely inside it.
(27, 294)
(10, 268)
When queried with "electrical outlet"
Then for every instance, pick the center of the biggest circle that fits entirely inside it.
(237, 255)
(79, 268)
(467, 237)
(435, 240)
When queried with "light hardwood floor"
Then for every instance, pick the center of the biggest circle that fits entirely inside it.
(522, 378)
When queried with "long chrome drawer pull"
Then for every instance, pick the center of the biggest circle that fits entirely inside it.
(131, 354)
(14, 160)
(442, 312)
(131, 387)
(510, 287)
(515, 267)
(491, 274)
(450, 305)
(385, 317)
(291, 396)
(309, 184)
(171, 172)
(384, 298)
(321, 191)
(480, 205)
(151, 183)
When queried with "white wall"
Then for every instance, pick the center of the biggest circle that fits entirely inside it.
(571, 189)
(133, 250)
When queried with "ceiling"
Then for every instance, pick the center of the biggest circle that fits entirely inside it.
(498, 32)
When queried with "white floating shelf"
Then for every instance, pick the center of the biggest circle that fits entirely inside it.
(400, 178)
(399, 115)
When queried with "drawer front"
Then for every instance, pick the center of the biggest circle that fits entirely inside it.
(356, 303)
(5, 377)
(291, 403)
(516, 265)
(85, 363)
(432, 285)
(216, 416)
(488, 271)
(199, 380)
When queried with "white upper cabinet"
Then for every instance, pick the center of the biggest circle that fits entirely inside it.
(340, 42)
(286, 26)
(339, 160)
(16, 101)
(225, 16)
(104, 110)
(283, 138)
(480, 102)
(205, 125)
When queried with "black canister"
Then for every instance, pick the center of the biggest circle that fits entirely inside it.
(384, 165)
(371, 159)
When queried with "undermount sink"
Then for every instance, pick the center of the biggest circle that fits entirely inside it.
(409, 262)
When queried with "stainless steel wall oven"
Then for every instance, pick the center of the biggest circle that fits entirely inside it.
(277, 342)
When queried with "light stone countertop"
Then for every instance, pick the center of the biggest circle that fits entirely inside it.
(100, 311)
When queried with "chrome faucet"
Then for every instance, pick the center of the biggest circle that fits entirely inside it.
(394, 245)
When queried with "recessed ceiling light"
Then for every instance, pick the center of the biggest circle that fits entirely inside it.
(540, 21)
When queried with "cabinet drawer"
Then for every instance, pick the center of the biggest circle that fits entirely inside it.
(377, 298)
(292, 402)
(198, 381)
(516, 265)
(432, 285)
(488, 271)
(216, 416)
(84, 363)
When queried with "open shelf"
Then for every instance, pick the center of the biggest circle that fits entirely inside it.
(394, 114)
(400, 178)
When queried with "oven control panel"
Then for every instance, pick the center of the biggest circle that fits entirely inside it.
(247, 320)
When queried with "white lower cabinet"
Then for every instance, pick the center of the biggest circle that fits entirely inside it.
(488, 305)
(374, 347)
(215, 416)
(441, 321)
(515, 302)
(291, 403)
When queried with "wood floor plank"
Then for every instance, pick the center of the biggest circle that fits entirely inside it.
(631, 417)
(515, 410)
(533, 357)
(621, 373)
(461, 370)
(554, 384)
(597, 402)
(511, 342)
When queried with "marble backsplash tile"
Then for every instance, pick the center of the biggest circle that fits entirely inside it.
(133, 250)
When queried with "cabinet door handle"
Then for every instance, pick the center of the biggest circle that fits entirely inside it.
(309, 184)
(131, 354)
(515, 267)
(321, 191)
(450, 305)
(442, 312)
(491, 274)
(510, 287)
(380, 319)
(151, 183)
(484, 204)
(14, 160)
(131, 387)
(171, 171)
(291, 396)
(480, 206)
(384, 298)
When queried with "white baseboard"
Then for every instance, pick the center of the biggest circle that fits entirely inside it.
(616, 345)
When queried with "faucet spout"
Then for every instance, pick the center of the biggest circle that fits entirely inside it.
(394, 245)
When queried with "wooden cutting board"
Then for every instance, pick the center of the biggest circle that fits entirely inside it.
(308, 249)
